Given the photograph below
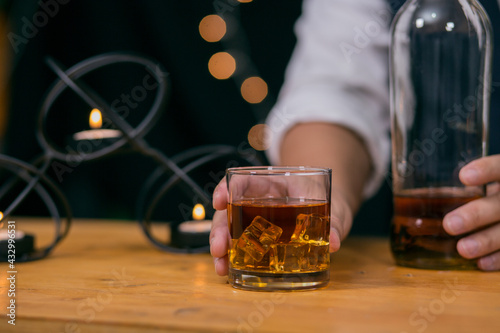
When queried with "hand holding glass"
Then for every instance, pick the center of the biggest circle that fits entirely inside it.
(279, 221)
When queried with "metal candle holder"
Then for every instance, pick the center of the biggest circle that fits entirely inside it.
(34, 174)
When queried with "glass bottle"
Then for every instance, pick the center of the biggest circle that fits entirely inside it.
(440, 63)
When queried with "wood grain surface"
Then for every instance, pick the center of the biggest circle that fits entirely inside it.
(106, 277)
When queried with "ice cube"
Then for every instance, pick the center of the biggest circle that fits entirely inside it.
(288, 257)
(311, 228)
(318, 257)
(263, 264)
(242, 260)
(238, 257)
(258, 237)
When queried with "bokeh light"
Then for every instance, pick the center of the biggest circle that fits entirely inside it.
(222, 65)
(245, 1)
(254, 90)
(260, 137)
(212, 28)
(198, 212)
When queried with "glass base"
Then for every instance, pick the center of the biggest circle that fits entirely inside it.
(436, 263)
(257, 281)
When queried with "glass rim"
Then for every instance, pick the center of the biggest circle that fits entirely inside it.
(279, 170)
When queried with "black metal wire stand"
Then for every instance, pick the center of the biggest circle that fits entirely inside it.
(34, 174)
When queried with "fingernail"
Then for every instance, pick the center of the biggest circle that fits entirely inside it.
(487, 263)
(455, 224)
(470, 175)
(216, 260)
(211, 240)
(214, 195)
(334, 243)
(470, 247)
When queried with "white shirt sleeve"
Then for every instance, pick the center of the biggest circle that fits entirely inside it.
(338, 73)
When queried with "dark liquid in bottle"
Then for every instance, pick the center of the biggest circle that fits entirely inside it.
(418, 238)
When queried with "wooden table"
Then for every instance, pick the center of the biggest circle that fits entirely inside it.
(106, 277)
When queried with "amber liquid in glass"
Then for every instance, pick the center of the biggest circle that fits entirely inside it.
(418, 238)
(293, 247)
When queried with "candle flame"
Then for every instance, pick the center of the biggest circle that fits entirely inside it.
(198, 212)
(95, 119)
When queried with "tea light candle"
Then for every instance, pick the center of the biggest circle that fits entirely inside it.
(21, 243)
(96, 133)
(4, 235)
(194, 233)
